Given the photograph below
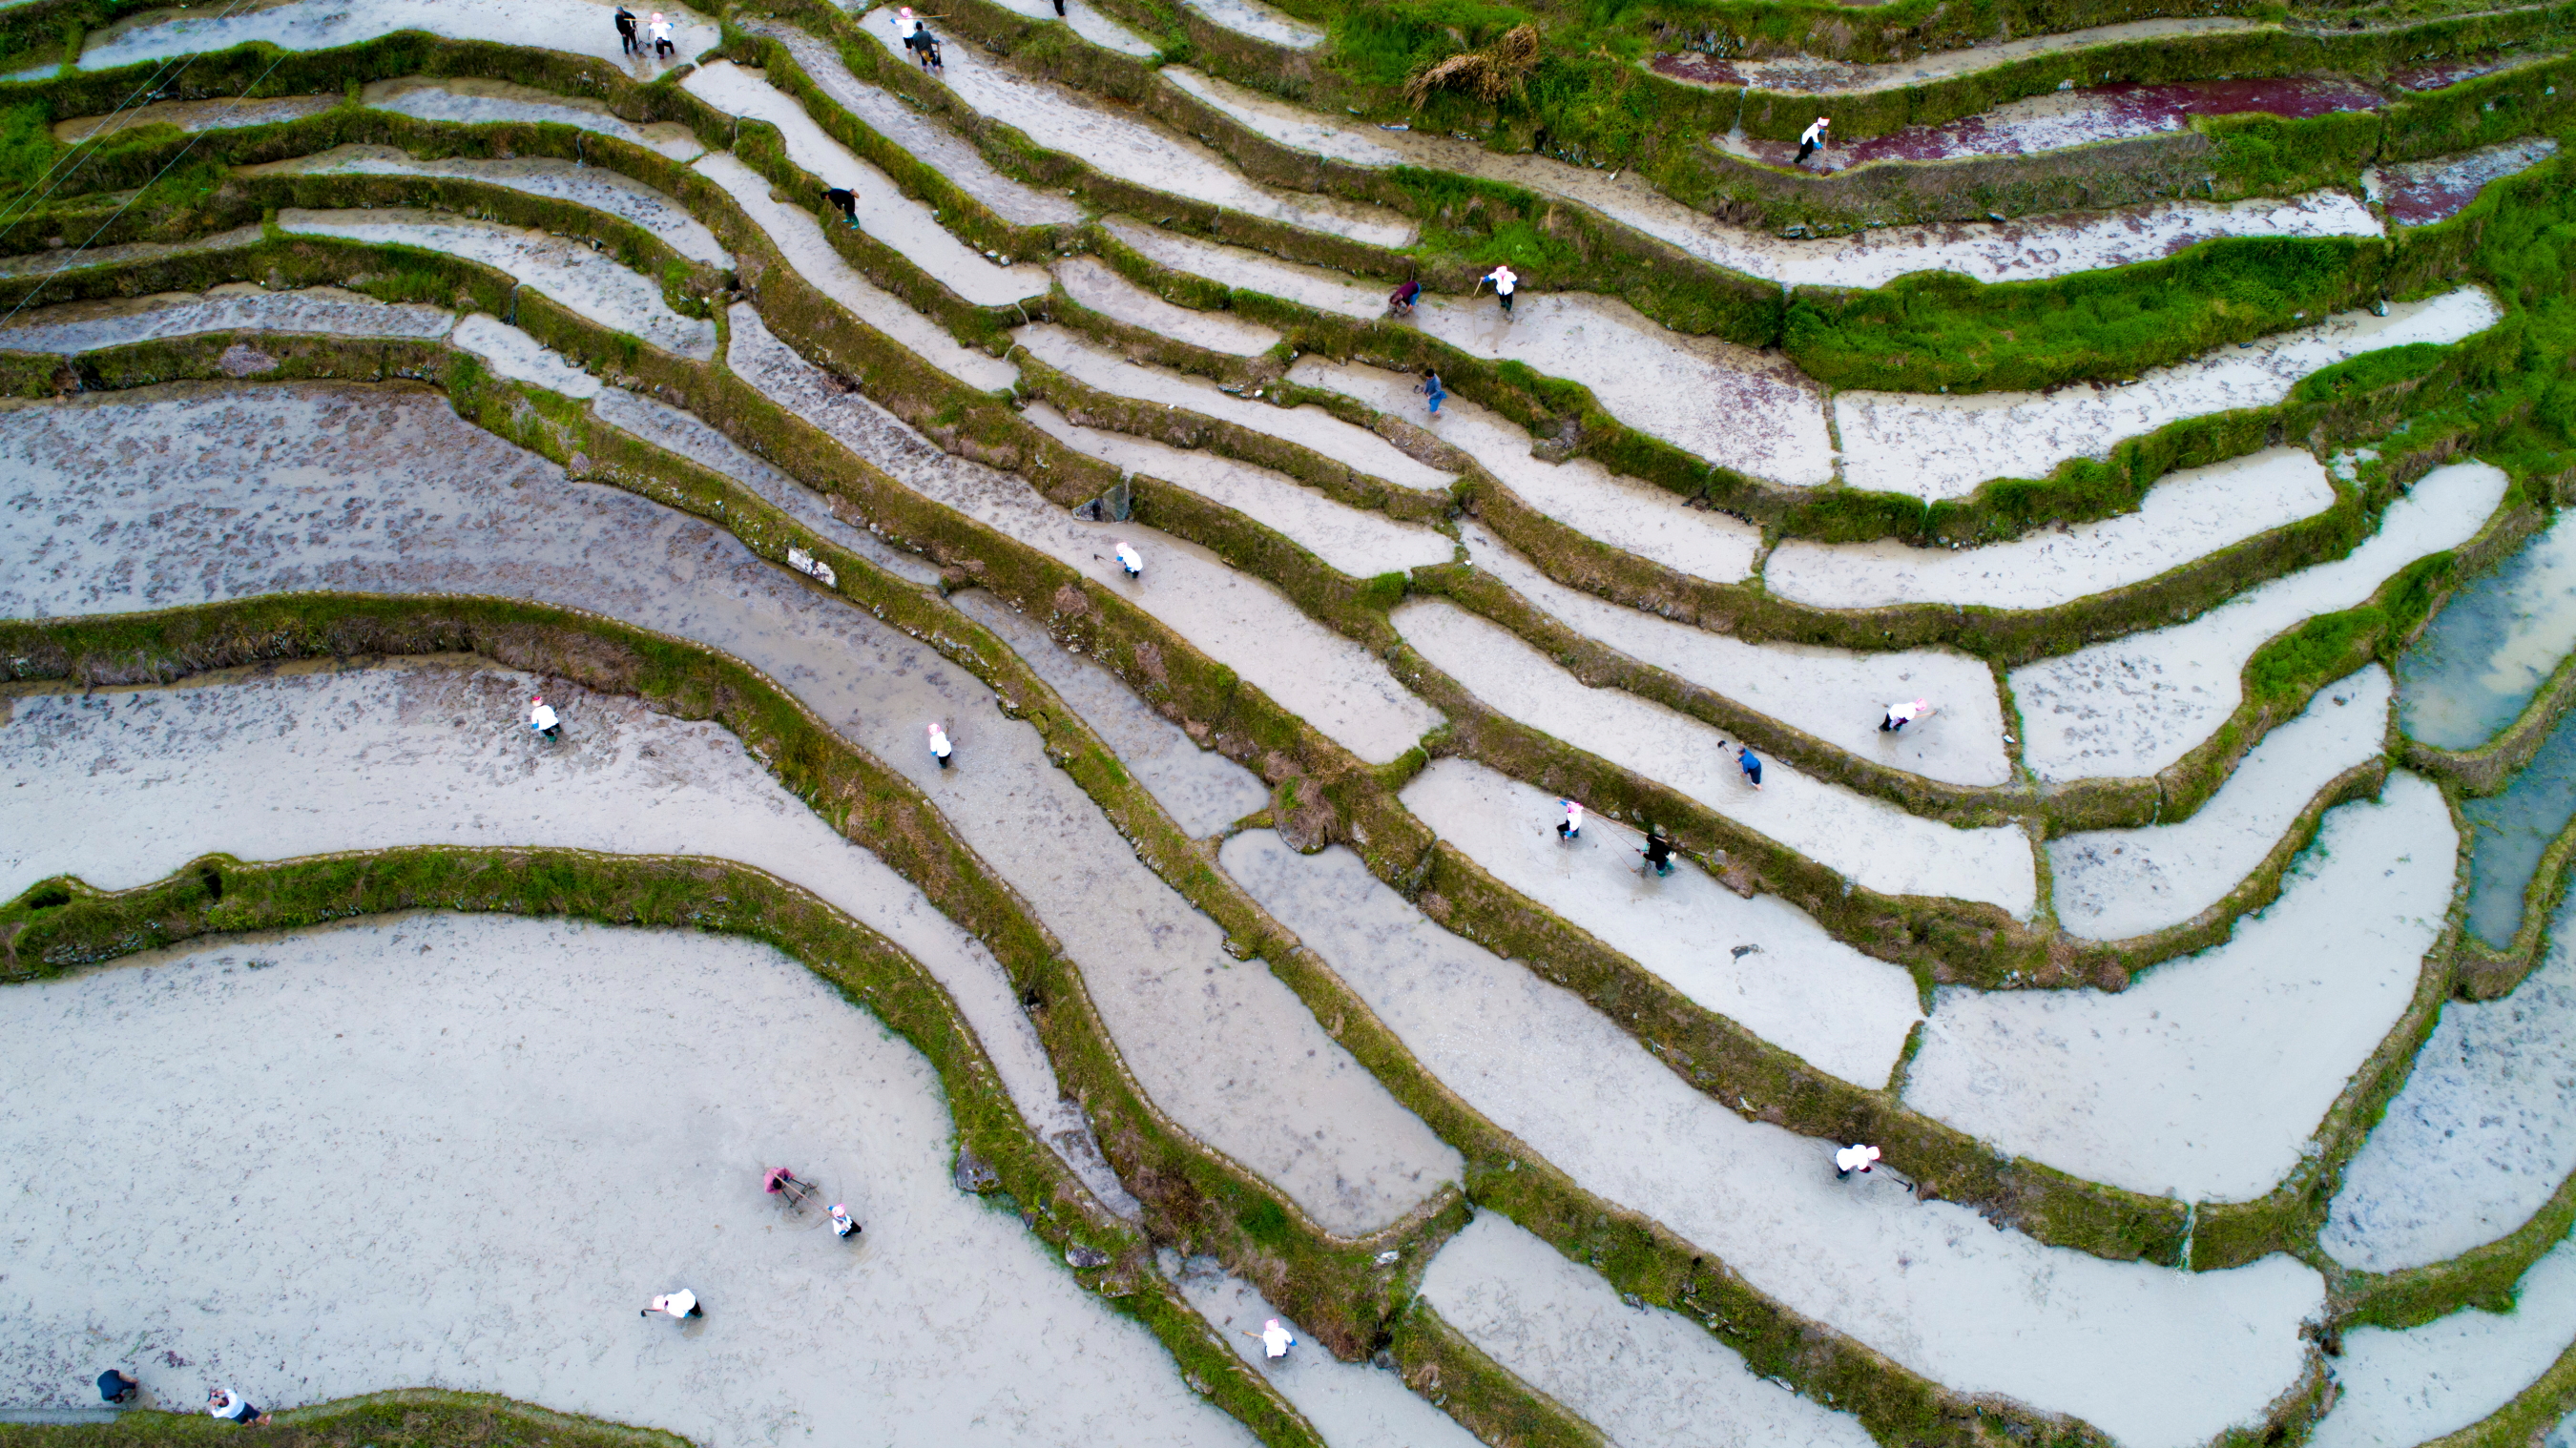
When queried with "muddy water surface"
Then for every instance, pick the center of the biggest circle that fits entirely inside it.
(2018, 250)
(112, 321)
(2419, 193)
(1821, 76)
(596, 187)
(2477, 665)
(2156, 1358)
(466, 1149)
(122, 787)
(899, 121)
(1339, 687)
(472, 100)
(163, 498)
(2481, 1135)
(2075, 118)
(2509, 832)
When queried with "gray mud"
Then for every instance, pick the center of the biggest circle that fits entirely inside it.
(221, 113)
(1201, 789)
(2025, 249)
(1244, 623)
(1124, 144)
(463, 1152)
(122, 787)
(1357, 541)
(472, 100)
(1642, 1375)
(934, 145)
(198, 494)
(596, 187)
(585, 281)
(1095, 286)
(1353, 1405)
(580, 27)
(76, 327)
(2482, 1134)
(680, 431)
(2155, 1358)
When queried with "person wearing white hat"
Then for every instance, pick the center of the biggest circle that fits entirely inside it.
(660, 31)
(1505, 280)
(681, 1305)
(232, 1407)
(1854, 1158)
(1813, 137)
(1900, 715)
(1130, 560)
(939, 747)
(541, 718)
(1570, 827)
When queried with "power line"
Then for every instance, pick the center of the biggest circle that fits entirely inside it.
(75, 158)
(70, 260)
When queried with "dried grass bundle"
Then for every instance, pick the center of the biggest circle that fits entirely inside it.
(1492, 74)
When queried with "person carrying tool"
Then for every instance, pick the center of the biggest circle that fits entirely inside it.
(1811, 138)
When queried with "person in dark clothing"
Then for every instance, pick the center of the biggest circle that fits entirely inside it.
(1658, 852)
(116, 1386)
(626, 31)
(1400, 301)
(1059, 9)
(844, 203)
(916, 37)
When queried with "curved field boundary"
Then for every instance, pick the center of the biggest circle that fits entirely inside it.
(563, 332)
(82, 926)
(1363, 796)
(61, 923)
(426, 1417)
(915, 390)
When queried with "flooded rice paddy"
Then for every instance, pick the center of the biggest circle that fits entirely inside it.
(2207, 1079)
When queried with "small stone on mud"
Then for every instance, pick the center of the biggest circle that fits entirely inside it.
(974, 1174)
(1086, 1257)
(240, 360)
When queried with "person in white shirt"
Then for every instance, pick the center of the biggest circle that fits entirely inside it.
(1275, 1340)
(844, 1226)
(1130, 560)
(232, 1407)
(1900, 715)
(660, 32)
(541, 718)
(680, 1305)
(1570, 827)
(1813, 137)
(1854, 1158)
(939, 748)
(1505, 281)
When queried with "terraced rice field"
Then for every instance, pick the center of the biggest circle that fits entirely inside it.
(1136, 767)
